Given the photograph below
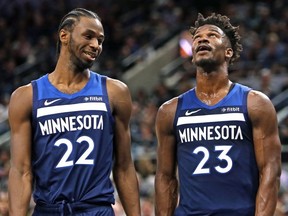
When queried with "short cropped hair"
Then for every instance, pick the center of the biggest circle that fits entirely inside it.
(69, 20)
(223, 22)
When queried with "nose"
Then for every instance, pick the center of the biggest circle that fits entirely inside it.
(202, 39)
(94, 44)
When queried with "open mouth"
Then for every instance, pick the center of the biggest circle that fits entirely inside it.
(91, 55)
(203, 48)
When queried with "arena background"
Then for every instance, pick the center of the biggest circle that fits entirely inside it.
(147, 46)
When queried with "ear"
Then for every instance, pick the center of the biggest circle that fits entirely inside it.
(64, 36)
(192, 60)
(229, 53)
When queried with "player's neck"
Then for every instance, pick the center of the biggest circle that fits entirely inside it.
(69, 73)
(212, 87)
(69, 68)
(212, 80)
(68, 80)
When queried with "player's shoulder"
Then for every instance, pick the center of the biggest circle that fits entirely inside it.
(170, 104)
(255, 97)
(22, 92)
(167, 110)
(21, 98)
(259, 105)
(116, 85)
(118, 92)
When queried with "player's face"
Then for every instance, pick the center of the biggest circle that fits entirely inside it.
(85, 44)
(210, 46)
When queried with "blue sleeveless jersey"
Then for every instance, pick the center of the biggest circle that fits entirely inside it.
(218, 174)
(72, 150)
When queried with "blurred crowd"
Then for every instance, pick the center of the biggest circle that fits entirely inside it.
(133, 28)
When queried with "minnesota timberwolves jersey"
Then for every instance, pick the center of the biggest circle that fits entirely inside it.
(72, 147)
(218, 174)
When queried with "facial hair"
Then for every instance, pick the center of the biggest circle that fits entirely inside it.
(206, 63)
(79, 63)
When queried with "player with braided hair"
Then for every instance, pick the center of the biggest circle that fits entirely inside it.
(70, 130)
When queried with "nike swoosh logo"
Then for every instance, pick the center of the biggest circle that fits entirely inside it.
(187, 113)
(47, 103)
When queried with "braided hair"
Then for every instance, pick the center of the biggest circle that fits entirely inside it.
(69, 20)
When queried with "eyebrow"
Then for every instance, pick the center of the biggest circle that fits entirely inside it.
(94, 33)
(222, 34)
(211, 30)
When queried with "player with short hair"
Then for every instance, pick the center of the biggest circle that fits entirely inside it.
(221, 137)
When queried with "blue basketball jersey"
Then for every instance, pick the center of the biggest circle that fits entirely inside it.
(218, 174)
(72, 150)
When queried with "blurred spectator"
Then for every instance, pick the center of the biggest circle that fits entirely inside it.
(4, 170)
(283, 131)
(146, 170)
(118, 209)
(147, 206)
(273, 51)
(282, 205)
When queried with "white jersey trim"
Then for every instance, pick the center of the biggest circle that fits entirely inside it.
(98, 106)
(210, 118)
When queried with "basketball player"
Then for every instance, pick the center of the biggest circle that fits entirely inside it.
(70, 129)
(219, 139)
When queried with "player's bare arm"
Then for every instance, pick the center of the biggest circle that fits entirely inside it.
(267, 149)
(124, 171)
(166, 185)
(20, 175)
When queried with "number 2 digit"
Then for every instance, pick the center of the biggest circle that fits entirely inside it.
(222, 156)
(64, 162)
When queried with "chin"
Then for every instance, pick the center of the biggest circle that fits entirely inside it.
(87, 63)
(84, 65)
(205, 62)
